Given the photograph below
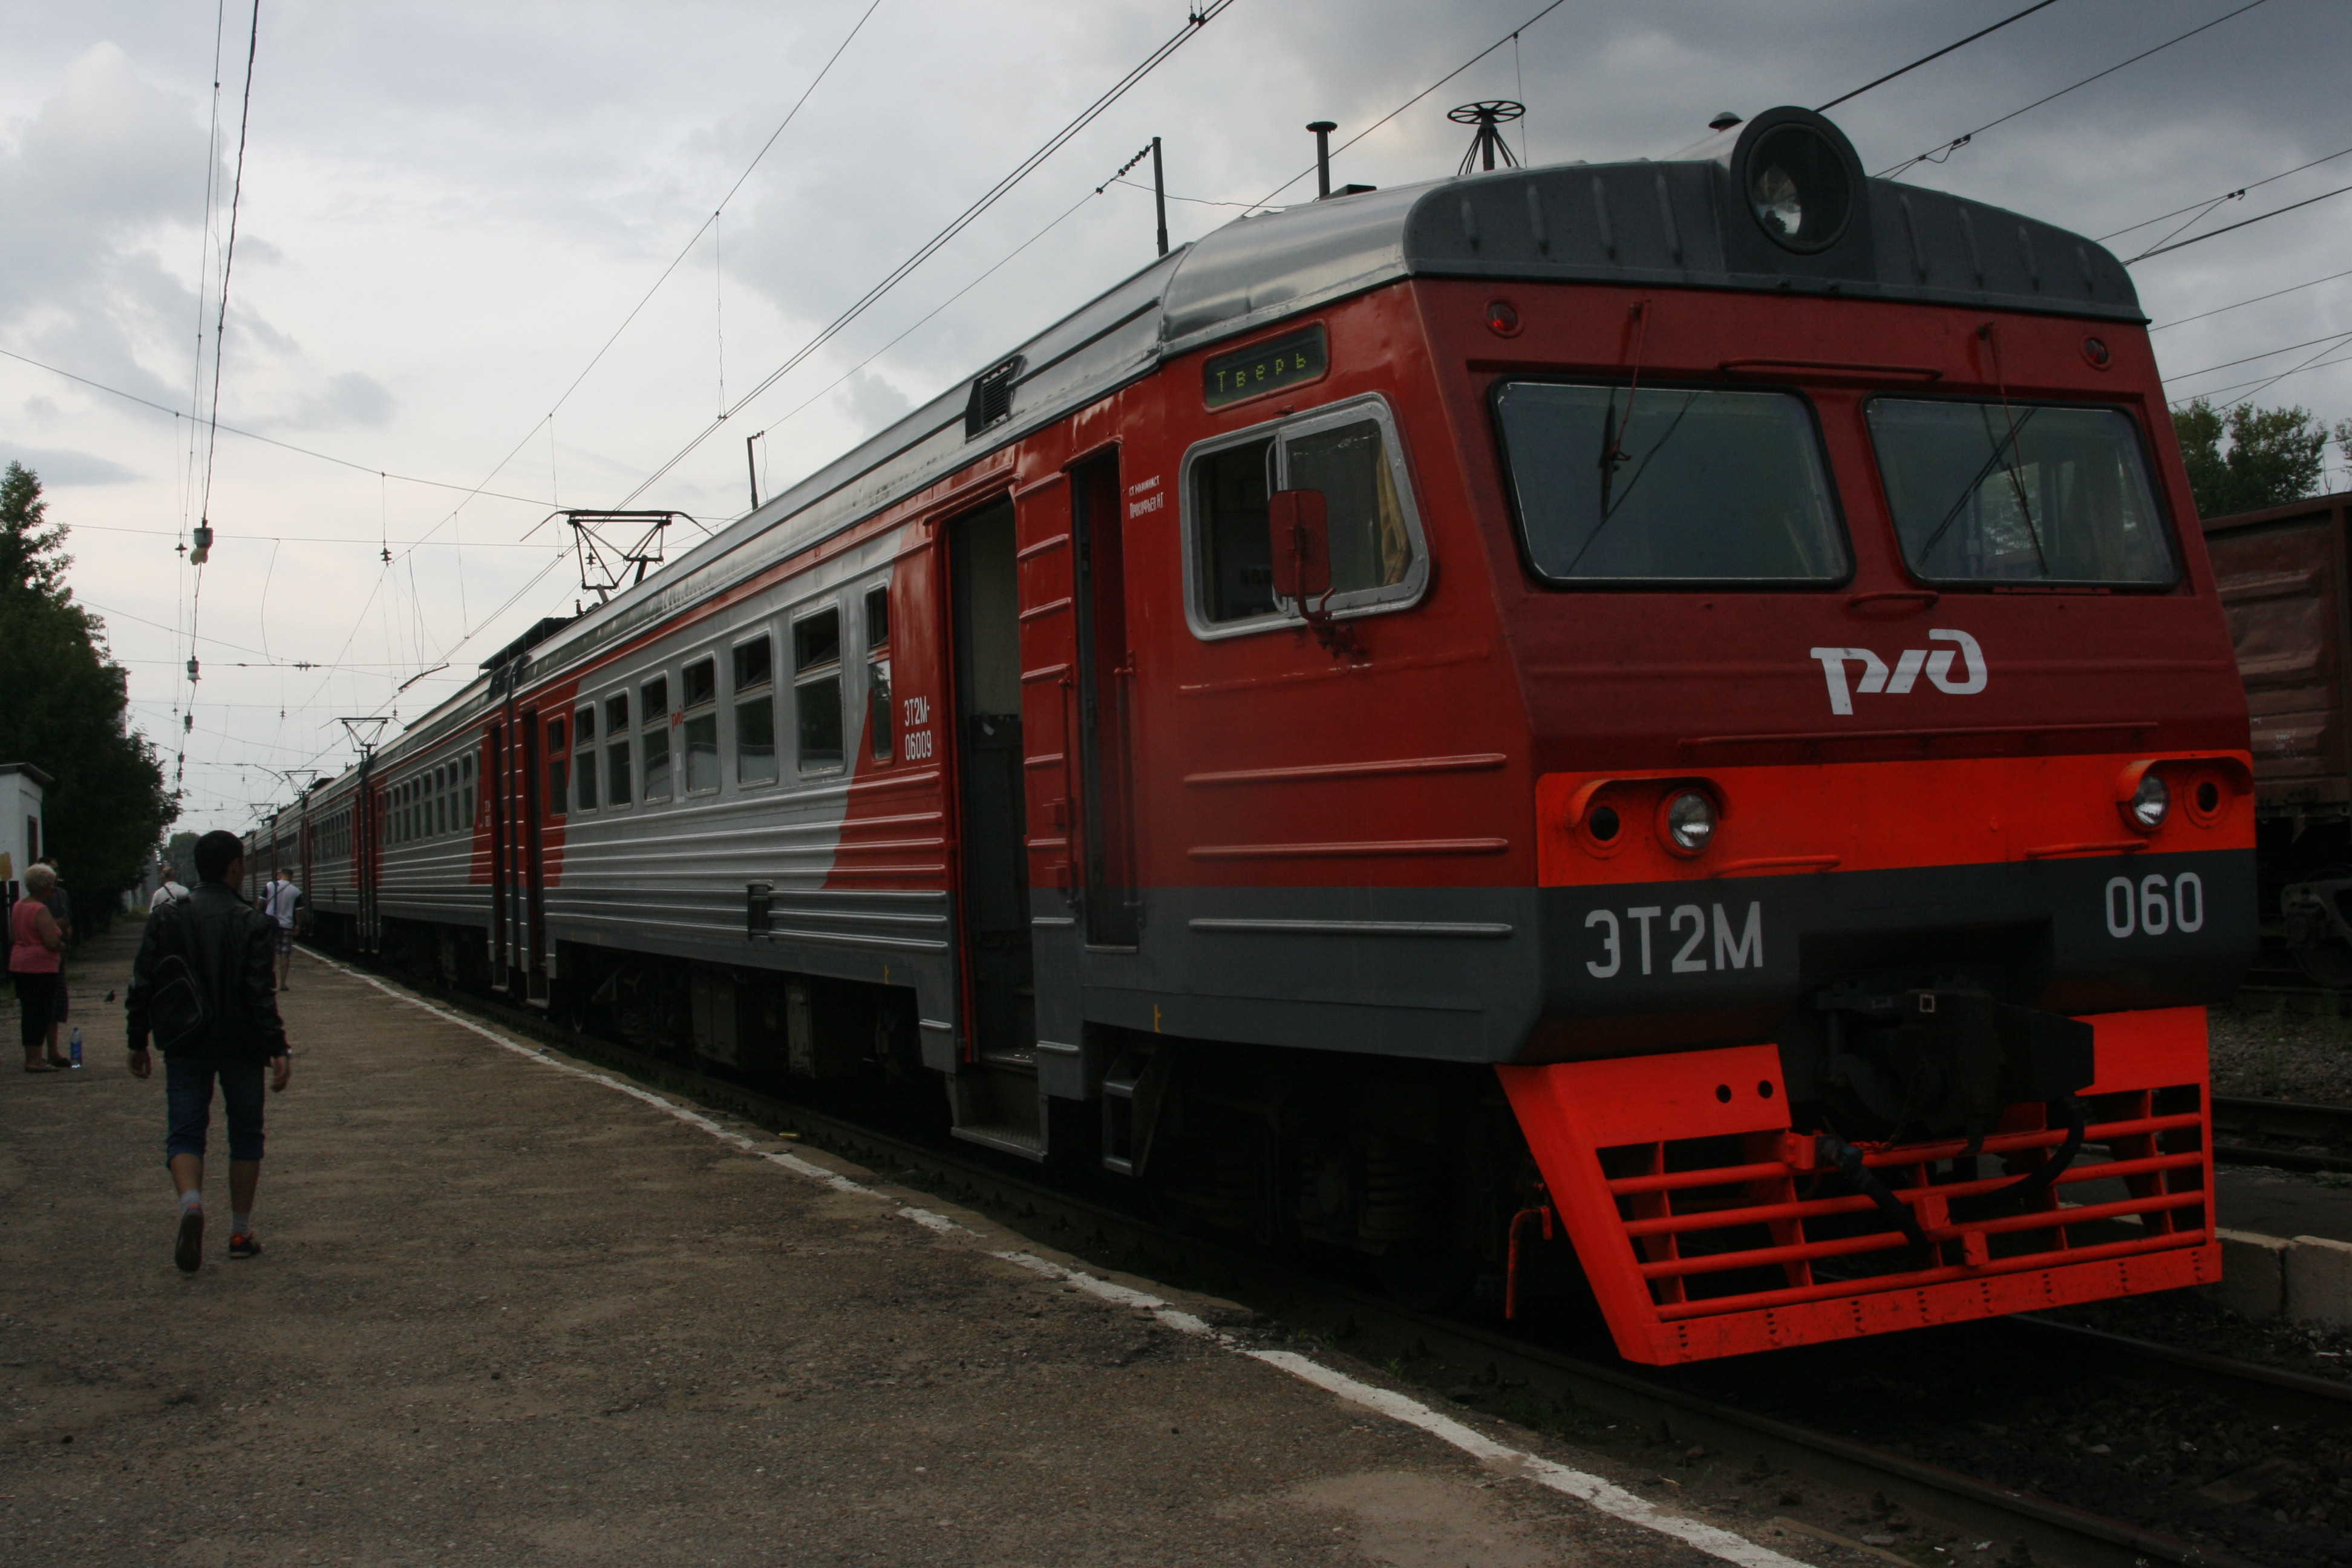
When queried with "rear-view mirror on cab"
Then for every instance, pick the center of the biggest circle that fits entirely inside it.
(1299, 525)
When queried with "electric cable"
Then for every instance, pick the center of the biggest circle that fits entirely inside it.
(2234, 227)
(1937, 154)
(684, 251)
(1268, 198)
(2266, 353)
(199, 421)
(1939, 55)
(2258, 382)
(2255, 301)
(212, 442)
(1193, 23)
(2211, 203)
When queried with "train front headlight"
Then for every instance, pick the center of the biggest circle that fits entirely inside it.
(1798, 188)
(2149, 803)
(1690, 822)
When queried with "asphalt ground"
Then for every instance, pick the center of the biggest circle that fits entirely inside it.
(511, 1313)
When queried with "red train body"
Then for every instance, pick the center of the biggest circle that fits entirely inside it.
(1650, 823)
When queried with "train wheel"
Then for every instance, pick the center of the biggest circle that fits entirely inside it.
(2318, 933)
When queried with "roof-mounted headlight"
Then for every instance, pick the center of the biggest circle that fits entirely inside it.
(1796, 187)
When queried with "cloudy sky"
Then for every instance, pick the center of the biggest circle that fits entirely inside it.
(448, 209)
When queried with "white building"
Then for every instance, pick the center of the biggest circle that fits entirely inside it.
(21, 839)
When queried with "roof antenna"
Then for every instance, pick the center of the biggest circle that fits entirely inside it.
(1322, 129)
(1487, 115)
(1723, 121)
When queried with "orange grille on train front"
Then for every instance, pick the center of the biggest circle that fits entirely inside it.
(1707, 1227)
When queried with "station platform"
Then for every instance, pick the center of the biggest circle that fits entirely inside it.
(513, 1311)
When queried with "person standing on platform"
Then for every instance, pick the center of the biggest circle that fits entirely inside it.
(281, 900)
(60, 903)
(171, 892)
(36, 950)
(200, 989)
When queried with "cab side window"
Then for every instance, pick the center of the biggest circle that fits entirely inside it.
(1348, 455)
(1229, 491)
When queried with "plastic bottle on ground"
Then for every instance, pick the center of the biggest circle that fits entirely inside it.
(75, 1048)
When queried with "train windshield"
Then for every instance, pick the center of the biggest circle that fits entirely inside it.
(1619, 485)
(2022, 492)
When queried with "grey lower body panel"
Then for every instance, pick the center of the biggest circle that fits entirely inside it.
(1504, 975)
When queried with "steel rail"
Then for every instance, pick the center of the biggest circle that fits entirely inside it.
(1374, 1326)
(2240, 1118)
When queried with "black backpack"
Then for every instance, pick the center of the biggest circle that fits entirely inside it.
(177, 1014)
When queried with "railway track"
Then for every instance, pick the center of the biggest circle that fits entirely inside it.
(2283, 1133)
(1669, 1413)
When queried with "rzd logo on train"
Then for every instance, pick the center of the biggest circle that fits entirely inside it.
(1876, 678)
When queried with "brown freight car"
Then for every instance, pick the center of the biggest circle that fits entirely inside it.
(2285, 580)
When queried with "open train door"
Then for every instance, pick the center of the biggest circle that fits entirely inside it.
(993, 1094)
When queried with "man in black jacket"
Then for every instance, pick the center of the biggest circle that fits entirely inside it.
(228, 947)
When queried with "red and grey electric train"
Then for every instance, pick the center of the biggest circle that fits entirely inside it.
(1659, 719)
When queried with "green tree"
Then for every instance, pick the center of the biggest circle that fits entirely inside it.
(32, 553)
(65, 709)
(2250, 458)
(180, 857)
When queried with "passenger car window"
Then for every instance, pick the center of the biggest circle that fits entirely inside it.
(559, 773)
(701, 688)
(584, 726)
(1668, 485)
(755, 713)
(616, 752)
(654, 718)
(880, 720)
(816, 690)
(1984, 493)
(1349, 456)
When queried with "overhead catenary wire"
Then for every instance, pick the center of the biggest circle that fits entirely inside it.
(469, 628)
(2217, 310)
(2266, 353)
(2258, 382)
(1268, 199)
(1937, 154)
(1939, 54)
(684, 251)
(1193, 23)
(200, 423)
(212, 440)
(2234, 227)
(2209, 203)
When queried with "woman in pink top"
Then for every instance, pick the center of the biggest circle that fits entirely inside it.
(35, 944)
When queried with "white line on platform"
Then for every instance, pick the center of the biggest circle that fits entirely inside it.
(1604, 1495)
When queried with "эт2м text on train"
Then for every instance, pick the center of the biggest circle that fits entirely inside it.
(1666, 707)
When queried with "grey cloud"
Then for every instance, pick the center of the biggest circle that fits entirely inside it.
(58, 466)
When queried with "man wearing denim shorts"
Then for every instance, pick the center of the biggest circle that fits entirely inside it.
(228, 947)
(280, 900)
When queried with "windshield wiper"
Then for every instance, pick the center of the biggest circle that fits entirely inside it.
(1615, 453)
(2017, 480)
